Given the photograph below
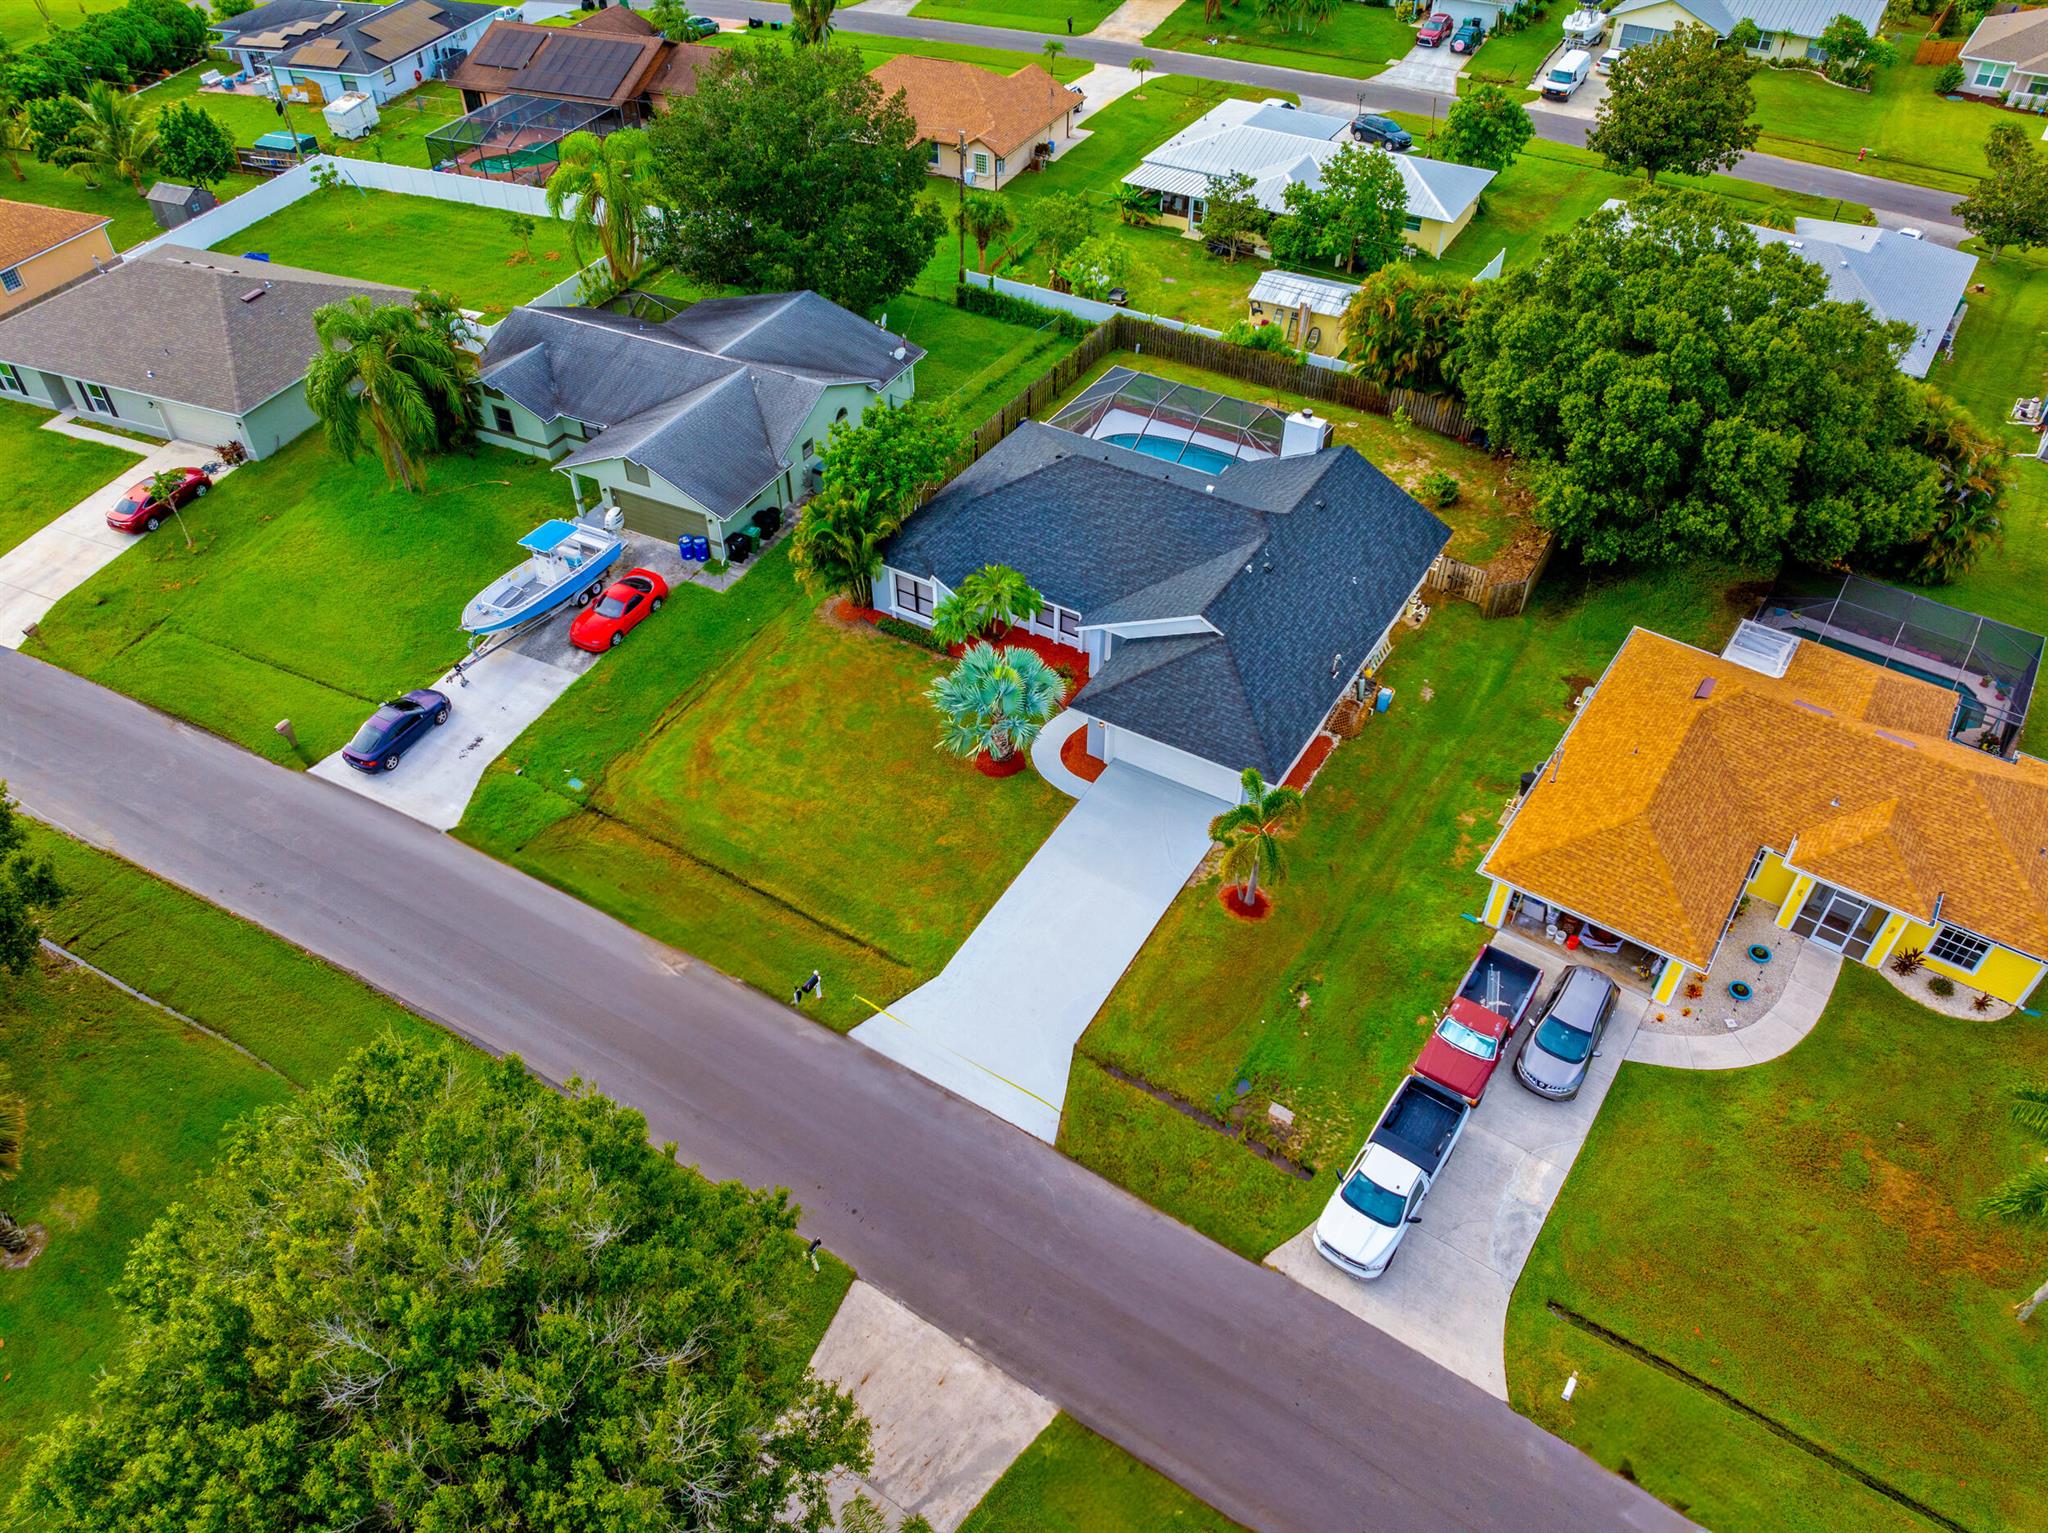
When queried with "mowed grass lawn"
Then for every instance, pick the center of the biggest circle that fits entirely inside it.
(413, 242)
(1512, 59)
(1071, 1481)
(1803, 1234)
(874, 50)
(1324, 1004)
(1359, 40)
(1020, 15)
(48, 472)
(313, 591)
(974, 364)
(756, 782)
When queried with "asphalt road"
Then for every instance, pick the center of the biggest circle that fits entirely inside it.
(1903, 203)
(1261, 1398)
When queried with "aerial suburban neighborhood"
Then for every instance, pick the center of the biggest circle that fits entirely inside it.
(993, 766)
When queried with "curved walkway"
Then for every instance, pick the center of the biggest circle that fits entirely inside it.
(1045, 752)
(1777, 1032)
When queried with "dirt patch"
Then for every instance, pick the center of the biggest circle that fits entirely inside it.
(73, 1207)
(1575, 684)
(1935, 1230)
(1521, 555)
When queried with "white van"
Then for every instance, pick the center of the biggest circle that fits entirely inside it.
(1562, 79)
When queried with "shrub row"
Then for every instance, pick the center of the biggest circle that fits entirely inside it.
(1019, 311)
(142, 39)
(910, 632)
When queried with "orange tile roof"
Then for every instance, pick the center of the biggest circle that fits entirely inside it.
(1657, 800)
(28, 229)
(947, 97)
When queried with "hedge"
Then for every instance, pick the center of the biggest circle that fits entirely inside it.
(1020, 311)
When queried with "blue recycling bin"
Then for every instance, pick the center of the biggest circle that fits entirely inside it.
(701, 547)
(683, 546)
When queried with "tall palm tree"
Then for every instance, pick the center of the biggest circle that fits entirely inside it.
(837, 544)
(810, 21)
(1250, 834)
(385, 371)
(608, 185)
(2023, 1197)
(984, 219)
(995, 701)
(1140, 67)
(1971, 463)
(116, 137)
(994, 596)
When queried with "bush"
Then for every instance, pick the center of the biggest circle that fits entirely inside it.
(1942, 986)
(1261, 336)
(913, 633)
(1440, 489)
(1907, 960)
(1948, 79)
(1019, 311)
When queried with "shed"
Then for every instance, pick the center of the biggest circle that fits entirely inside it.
(172, 204)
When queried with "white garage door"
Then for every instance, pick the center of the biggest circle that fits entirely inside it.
(1641, 37)
(1176, 765)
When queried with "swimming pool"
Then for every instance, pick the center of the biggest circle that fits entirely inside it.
(1173, 450)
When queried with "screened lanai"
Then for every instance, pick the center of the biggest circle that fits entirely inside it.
(1174, 422)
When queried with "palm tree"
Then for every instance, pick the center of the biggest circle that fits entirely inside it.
(837, 544)
(610, 183)
(1212, 10)
(2023, 1198)
(810, 21)
(1971, 464)
(984, 219)
(993, 596)
(14, 142)
(1250, 835)
(1140, 68)
(115, 137)
(995, 701)
(386, 371)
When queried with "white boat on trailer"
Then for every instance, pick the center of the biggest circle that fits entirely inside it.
(565, 560)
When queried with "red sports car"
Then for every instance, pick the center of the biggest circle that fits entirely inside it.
(1435, 31)
(140, 511)
(618, 612)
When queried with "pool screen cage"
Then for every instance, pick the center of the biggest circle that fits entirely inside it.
(515, 138)
(1990, 666)
(1123, 401)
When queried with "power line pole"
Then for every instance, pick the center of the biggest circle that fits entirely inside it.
(960, 207)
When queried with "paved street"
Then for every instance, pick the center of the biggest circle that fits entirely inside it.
(1256, 1395)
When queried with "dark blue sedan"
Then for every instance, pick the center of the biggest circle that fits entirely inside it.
(394, 729)
(1371, 128)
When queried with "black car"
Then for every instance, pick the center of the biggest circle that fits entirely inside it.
(394, 729)
(1557, 1052)
(1371, 128)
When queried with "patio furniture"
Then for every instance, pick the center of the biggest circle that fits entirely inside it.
(2026, 412)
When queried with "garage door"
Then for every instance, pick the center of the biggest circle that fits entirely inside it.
(1641, 37)
(657, 519)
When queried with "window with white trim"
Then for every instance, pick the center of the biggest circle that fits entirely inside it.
(1960, 949)
(10, 379)
(980, 163)
(914, 595)
(10, 279)
(96, 398)
(1990, 76)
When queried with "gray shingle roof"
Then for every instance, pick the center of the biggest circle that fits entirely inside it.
(2016, 37)
(1293, 561)
(1896, 276)
(367, 54)
(175, 325)
(711, 401)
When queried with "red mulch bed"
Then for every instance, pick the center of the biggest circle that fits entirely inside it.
(1260, 907)
(1075, 758)
(1074, 661)
(1311, 763)
(988, 766)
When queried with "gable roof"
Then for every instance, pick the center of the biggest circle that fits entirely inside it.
(562, 63)
(1895, 275)
(683, 66)
(283, 24)
(184, 325)
(1003, 111)
(1276, 146)
(2015, 37)
(1657, 800)
(1284, 563)
(711, 400)
(28, 229)
(616, 19)
(1795, 18)
(387, 34)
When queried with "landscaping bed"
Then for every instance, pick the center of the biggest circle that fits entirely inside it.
(48, 472)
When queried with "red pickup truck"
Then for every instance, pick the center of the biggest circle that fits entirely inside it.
(1472, 1037)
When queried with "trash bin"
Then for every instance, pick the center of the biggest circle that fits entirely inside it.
(703, 547)
(685, 547)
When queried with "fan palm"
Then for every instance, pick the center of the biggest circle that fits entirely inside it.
(114, 137)
(608, 186)
(385, 371)
(983, 219)
(810, 21)
(1250, 834)
(2023, 1198)
(995, 701)
(994, 596)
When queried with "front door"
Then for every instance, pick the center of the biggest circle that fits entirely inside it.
(1838, 920)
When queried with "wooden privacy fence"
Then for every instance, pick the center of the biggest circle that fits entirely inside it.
(1493, 595)
(1938, 50)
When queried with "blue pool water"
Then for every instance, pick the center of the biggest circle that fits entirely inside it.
(1172, 450)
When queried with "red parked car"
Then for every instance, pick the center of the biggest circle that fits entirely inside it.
(138, 512)
(1434, 31)
(1473, 1035)
(619, 611)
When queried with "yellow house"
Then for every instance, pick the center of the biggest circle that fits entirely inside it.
(1788, 29)
(1786, 771)
(1311, 309)
(44, 249)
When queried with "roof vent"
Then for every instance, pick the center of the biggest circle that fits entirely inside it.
(1336, 661)
(1800, 702)
(1886, 734)
(899, 353)
(1760, 649)
(1705, 688)
(252, 295)
(1208, 489)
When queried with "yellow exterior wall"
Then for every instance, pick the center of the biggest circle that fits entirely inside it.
(1887, 938)
(2005, 974)
(1667, 982)
(948, 165)
(1773, 881)
(1497, 903)
(43, 274)
(1328, 343)
(1668, 17)
(1435, 236)
(1794, 898)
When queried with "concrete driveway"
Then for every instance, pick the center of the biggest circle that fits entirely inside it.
(999, 1024)
(1431, 69)
(1446, 1294)
(50, 563)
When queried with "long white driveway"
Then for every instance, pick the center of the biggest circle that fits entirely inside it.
(999, 1024)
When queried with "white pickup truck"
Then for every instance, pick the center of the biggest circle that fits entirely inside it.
(1384, 1187)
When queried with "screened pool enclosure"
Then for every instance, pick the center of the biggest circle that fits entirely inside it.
(1174, 422)
(515, 138)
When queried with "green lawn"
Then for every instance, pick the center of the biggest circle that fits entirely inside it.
(413, 242)
(1058, 16)
(1071, 1481)
(1836, 1186)
(875, 50)
(21, 22)
(759, 787)
(975, 365)
(1360, 40)
(1512, 59)
(313, 592)
(1323, 1005)
(49, 472)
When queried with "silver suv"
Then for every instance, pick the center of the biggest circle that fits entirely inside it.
(1558, 1051)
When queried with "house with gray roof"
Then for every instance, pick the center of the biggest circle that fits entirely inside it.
(1789, 28)
(1277, 146)
(692, 425)
(2007, 53)
(179, 344)
(1223, 611)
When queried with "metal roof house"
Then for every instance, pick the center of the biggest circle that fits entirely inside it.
(1223, 611)
(180, 343)
(690, 425)
(1310, 309)
(1278, 145)
(1789, 27)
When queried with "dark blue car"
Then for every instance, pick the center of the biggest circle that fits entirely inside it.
(394, 729)
(1371, 128)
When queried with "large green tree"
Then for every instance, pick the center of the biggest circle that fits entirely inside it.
(1487, 126)
(1969, 464)
(1401, 324)
(1231, 213)
(28, 885)
(389, 373)
(1682, 104)
(877, 471)
(788, 168)
(432, 1294)
(192, 146)
(2010, 205)
(1060, 224)
(1676, 389)
(607, 186)
(1353, 220)
(114, 137)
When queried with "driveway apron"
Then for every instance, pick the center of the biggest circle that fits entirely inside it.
(999, 1024)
